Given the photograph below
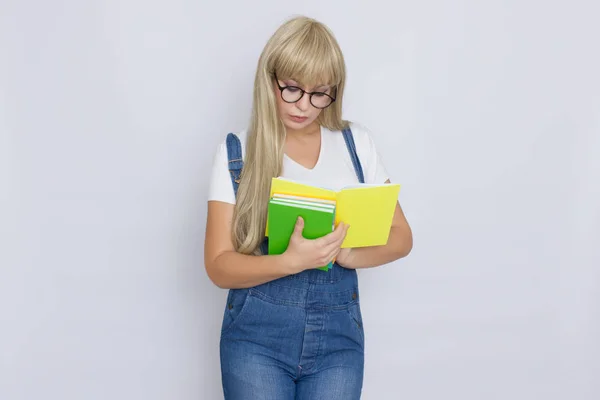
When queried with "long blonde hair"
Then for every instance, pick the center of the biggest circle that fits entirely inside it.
(305, 50)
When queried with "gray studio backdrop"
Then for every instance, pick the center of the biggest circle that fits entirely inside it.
(487, 112)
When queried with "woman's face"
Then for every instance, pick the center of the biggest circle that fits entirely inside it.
(300, 114)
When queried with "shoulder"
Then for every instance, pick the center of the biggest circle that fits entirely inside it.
(222, 143)
(363, 139)
(368, 154)
(220, 187)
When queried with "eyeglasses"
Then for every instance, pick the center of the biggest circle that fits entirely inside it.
(292, 94)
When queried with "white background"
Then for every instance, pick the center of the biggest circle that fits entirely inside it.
(487, 113)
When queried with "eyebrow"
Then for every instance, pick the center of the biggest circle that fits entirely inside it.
(297, 82)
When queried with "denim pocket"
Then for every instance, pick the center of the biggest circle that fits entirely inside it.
(237, 299)
(356, 315)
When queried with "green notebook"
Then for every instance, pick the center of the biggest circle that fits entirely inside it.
(319, 218)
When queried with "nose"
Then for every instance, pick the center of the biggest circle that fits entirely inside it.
(304, 103)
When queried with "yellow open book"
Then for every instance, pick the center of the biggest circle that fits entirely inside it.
(367, 208)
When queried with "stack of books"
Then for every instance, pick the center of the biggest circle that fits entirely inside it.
(367, 208)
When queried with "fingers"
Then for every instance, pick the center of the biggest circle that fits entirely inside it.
(333, 247)
(343, 233)
(339, 232)
(328, 256)
(299, 227)
(336, 244)
(330, 246)
(334, 255)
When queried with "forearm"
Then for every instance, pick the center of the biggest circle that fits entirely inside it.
(398, 246)
(234, 270)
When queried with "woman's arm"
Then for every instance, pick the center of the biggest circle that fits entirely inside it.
(398, 246)
(229, 269)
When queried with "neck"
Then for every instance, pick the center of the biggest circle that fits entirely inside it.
(305, 132)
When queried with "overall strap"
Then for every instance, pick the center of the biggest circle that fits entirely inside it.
(236, 163)
(349, 139)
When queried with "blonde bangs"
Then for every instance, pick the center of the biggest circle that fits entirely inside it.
(310, 58)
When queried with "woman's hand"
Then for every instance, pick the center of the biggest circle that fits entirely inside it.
(305, 254)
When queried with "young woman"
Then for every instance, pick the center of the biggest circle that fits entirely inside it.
(291, 331)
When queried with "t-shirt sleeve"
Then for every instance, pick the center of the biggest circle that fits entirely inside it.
(220, 186)
(373, 164)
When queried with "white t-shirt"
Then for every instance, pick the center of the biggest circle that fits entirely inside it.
(334, 168)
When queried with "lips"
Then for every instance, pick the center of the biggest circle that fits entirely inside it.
(298, 119)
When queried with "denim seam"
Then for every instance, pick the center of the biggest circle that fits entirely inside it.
(315, 281)
(353, 290)
(272, 300)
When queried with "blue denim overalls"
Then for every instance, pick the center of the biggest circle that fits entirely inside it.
(297, 337)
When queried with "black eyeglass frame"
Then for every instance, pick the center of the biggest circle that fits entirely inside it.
(282, 88)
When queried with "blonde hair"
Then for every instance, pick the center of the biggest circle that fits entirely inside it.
(305, 50)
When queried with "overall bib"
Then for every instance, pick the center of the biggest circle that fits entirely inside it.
(298, 337)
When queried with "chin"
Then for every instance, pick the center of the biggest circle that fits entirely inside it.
(298, 125)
